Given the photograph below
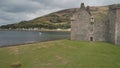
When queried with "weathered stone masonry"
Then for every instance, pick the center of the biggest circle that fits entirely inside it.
(87, 26)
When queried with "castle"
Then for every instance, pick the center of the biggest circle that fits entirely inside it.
(88, 25)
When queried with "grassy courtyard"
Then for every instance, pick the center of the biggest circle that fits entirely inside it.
(61, 54)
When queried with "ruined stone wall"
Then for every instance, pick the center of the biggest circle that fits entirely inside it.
(117, 37)
(101, 25)
(101, 29)
(106, 26)
(112, 24)
(80, 26)
(83, 30)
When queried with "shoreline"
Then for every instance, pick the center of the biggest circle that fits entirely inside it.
(44, 30)
(22, 44)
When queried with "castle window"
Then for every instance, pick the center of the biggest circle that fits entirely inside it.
(91, 23)
(91, 38)
(92, 20)
(72, 19)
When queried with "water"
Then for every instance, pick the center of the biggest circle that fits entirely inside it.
(8, 38)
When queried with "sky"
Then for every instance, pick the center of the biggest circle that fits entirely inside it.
(13, 11)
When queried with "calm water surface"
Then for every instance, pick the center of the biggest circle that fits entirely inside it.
(8, 38)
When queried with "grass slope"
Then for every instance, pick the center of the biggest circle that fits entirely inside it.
(61, 54)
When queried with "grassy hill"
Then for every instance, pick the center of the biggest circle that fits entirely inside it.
(61, 54)
(60, 19)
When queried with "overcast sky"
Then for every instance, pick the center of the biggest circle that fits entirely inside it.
(12, 11)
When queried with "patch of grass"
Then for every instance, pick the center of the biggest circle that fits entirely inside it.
(61, 54)
(16, 65)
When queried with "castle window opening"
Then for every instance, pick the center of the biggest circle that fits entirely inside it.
(91, 38)
(92, 20)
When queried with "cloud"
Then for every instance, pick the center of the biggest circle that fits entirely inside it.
(12, 11)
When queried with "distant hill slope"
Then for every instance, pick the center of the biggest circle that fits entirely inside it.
(60, 19)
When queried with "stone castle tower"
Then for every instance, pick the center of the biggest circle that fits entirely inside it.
(87, 25)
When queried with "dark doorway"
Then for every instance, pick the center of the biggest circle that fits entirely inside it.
(91, 38)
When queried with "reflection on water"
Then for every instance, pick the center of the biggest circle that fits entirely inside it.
(20, 37)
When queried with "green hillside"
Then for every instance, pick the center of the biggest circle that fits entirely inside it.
(60, 19)
(61, 54)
